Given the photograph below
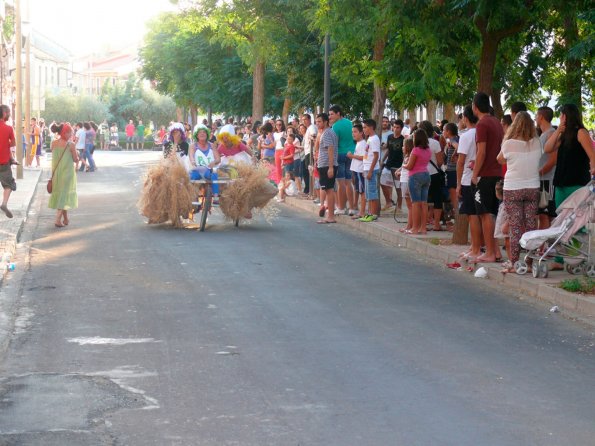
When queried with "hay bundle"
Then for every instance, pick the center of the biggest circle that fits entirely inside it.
(251, 190)
(167, 193)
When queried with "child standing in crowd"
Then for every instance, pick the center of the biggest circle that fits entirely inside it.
(288, 154)
(357, 168)
(419, 181)
(370, 166)
(451, 135)
(403, 174)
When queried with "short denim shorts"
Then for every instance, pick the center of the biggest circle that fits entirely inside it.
(371, 186)
(344, 169)
(419, 184)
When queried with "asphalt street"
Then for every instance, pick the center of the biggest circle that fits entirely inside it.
(282, 333)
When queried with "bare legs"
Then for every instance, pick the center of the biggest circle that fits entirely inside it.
(61, 218)
(419, 217)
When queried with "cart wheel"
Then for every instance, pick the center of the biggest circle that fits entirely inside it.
(206, 207)
(590, 270)
(569, 268)
(521, 267)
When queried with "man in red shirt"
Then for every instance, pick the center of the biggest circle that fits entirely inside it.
(7, 140)
(487, 172)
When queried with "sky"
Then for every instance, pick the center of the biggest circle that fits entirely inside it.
(85, 26)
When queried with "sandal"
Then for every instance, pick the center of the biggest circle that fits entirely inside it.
(507, 267)
(322, 211)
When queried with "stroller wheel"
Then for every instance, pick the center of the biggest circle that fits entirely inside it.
(521, 267)
(540, 270)
(590, 270)
(575, 269)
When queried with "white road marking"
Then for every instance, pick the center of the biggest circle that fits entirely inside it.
(111, 341)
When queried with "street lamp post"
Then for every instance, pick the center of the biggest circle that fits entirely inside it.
(327, 73)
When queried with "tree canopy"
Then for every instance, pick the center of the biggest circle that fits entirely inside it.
(242, 57)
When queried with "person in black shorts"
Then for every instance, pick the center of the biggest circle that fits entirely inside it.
(327, 164)
(487, 172)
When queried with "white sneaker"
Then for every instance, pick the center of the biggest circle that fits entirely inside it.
(340, 211)
(352, 212)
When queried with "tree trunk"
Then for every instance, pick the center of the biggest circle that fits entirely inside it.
(412, 116)
(379, 101)
(210, 115)
(194, 115)
(487, 63)
(449, 112)
(572, 80)
(287, 103)
(497, 103)
(179, 114)
(258, 91)
(460, 235)
(378, 105)
(431, 111)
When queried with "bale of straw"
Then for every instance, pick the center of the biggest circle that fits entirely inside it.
(167, 193)
(251, 190)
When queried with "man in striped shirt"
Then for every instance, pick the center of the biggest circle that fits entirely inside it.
(327, 163)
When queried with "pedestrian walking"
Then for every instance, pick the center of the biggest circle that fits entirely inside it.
(64, 157)
(7, 140)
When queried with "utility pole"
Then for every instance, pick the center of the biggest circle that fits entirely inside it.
(327, 73)
(17, 118)
(28, 83)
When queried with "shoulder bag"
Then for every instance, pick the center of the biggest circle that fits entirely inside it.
(49, 185)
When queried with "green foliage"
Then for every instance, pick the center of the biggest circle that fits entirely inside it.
(8, 26)
(416, 51)
(116, 104)
(68, 108)
(582, 285)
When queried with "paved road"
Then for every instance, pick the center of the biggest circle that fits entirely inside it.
(283, 334)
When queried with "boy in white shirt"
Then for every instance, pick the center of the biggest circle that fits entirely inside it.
(371, 169)
(357, 169)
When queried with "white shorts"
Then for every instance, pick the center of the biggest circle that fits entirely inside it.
(386, 178)
(405, 188)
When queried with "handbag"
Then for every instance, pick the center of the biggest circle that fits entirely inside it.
(49, 185)
(544, 198)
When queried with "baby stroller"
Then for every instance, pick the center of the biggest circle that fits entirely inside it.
(565, 238)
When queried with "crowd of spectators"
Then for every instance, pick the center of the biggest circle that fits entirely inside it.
(508, 176)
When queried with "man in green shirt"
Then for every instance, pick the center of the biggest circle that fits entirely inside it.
(140, 135)
(342, 127)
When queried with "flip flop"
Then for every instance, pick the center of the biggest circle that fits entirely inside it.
(454, 265)
(321, 211)
(479, 260)
(325, 222)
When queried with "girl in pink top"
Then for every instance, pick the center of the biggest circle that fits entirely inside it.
(419, 181)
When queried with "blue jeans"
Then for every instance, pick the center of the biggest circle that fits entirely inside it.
(419, 184)
(89, 156)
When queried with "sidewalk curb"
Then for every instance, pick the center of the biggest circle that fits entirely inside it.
(576, 306)
(10, 239)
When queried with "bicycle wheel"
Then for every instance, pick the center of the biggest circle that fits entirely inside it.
(206, 206)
